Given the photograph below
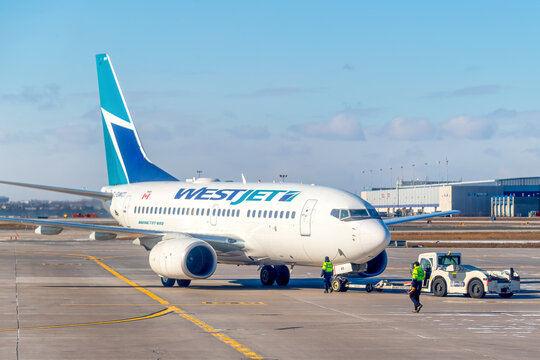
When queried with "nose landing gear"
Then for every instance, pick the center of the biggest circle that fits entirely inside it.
(279, 274)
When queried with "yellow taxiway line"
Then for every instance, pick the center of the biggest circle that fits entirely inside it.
(204, 303)
(209, 329)
(170, 307)
(150, 316)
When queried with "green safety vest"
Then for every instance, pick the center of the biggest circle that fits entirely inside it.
(418, 273)
(327, 266)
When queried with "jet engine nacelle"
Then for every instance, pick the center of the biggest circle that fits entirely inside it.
(376, 265)
(183, 258)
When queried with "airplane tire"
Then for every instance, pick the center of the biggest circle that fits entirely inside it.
(268, 275)
(282, 275)
(167, 282)
(439, 287)
(183, 282)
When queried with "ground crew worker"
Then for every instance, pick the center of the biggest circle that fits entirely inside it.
(327, 272)
(416, 286)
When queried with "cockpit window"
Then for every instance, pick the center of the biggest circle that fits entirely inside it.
(354, 214)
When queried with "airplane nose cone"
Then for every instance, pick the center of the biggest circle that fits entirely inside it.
(374, 236)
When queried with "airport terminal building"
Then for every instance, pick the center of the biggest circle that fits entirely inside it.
(502, 197)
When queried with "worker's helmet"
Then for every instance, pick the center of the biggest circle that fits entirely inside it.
(416, 263)
(326, 258)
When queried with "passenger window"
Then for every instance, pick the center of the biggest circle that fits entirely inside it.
(281, 215)
(270, 213)
(183, 211)
(276, 214)
(219, 212)
(197, 212)
(213, 212)
(264, 214)
(228, 212)
(287, 215)
(248, 213)
(260, 213)
(293, 215)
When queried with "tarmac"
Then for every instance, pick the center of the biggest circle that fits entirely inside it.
(64, 297)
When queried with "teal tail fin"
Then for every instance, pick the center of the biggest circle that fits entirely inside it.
(126, 160)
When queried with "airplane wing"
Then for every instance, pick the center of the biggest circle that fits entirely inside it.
(89, 193)
(146, 238)
(398, 220)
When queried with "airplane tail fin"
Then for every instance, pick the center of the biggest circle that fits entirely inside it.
(126, 160)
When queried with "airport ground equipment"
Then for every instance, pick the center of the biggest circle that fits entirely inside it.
(341, 284)
(445, 274)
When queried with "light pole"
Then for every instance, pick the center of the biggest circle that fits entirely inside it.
(283, 176)
(199, 172)
(390, 177)
(413, 175)
(364, 179)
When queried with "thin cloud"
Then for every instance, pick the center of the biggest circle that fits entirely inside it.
(402, 128)
(249, 132)
(270, 92)
(74, 133)
(469, 128)
(348, 67)
(466, 91)
(340, 127)
(44, 98)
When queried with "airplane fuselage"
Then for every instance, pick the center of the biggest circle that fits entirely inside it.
(278, 223)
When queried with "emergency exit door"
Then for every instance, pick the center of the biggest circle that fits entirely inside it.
(305, 217)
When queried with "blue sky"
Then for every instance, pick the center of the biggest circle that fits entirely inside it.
(324, 92)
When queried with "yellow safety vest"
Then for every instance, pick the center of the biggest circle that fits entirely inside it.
(418, 273)
(327, 266)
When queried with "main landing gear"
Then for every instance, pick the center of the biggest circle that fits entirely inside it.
(167, 282)
(279, 274)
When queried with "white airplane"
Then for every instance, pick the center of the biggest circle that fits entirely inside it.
(189, 227)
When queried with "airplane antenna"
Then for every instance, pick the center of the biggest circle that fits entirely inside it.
(243, 179)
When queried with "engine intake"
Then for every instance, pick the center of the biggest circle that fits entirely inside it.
(183, 258)
(376, 265)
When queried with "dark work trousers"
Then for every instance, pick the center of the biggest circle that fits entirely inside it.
(327, 279)
(415, 297)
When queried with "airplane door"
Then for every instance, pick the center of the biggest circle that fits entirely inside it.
(305, 218)
(213, 215)
(125, 211)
